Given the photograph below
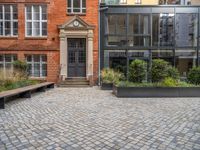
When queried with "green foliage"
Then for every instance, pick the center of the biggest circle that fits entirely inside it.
(159, 70)
(9, 85)
(169, 82)
(111, 76)
(137, 71)
(173, 73)
(20, 68)
(194, 76)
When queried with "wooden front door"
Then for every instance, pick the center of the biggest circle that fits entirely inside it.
(76, 57)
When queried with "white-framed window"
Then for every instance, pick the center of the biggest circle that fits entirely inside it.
(138, 1)
(36, 20)
(6, 61)
(37, 65)
(76, 6)
(123, 1)
(8, 20)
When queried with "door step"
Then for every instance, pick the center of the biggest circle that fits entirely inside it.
(74, 82)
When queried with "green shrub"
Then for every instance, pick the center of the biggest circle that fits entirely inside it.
(137, 71)
(194, 76)
(169, 82)
(111, 76)
(161, 69)
(20, 68)
(173, 73)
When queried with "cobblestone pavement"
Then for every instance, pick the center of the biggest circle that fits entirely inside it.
(88, 118)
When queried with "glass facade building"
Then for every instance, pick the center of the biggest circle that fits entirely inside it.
(149, 32)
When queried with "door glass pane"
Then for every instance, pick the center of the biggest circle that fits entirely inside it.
(82, 57)
(72, 57)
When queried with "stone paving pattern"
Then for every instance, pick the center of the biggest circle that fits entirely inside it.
(88, 118)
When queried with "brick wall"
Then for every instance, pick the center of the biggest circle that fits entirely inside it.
(57, 15)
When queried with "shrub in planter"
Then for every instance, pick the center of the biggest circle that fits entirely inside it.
(194, 76)
(173, 73)
(110, 76)
(161, 69)
(169, 82)
(137, 71)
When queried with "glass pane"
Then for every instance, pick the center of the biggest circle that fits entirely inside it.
(7, 12)
(44, 13)
(163, 29)
(1, 11)
(115, 59)
(139, 41)
(44, 58)
(76, 3)
(166, 55)
(29, 28)
(44, 28)
(30, 70)
(14, 57)
(1, 66)
(71, 57)
(15, 13)
(36, 13)
(133, 24)
(116, 41)
(121, 24)
(186, 30)
(36, 58)
(44, 70)
(28, 12)
(7, 28)
(15, 28)
(36, 29)
(29, 58)
(84, 3)
(111, 24)
(1, 28)
(185, 60)
(36, 70)
(8, 58)
(82, 57)
(144, 24)
(1, 58)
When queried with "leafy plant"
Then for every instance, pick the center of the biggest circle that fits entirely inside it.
(111, 76)
(169, 82)
(137, 71)
(173, 73)
(20, 68)
(194, 76)
(161, 69)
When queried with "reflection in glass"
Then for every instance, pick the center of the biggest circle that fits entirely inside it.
(186, 30)
(185, 60)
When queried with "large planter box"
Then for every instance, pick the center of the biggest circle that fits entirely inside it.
(156, 91)
(106, 86)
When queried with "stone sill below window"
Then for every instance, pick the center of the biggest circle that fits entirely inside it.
(39, 78)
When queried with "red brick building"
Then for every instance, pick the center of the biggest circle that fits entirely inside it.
(57, 38)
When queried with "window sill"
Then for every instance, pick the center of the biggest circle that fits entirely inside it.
(9, 37)
(36, 38)
(73, 14)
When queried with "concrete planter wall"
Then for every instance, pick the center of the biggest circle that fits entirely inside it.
(106, 86)
(156, 91)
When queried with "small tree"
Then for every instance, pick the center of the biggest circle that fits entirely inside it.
(194, 75)
(137, 71)
(159, 70)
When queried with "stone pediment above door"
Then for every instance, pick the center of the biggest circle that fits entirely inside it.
(76, 23)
